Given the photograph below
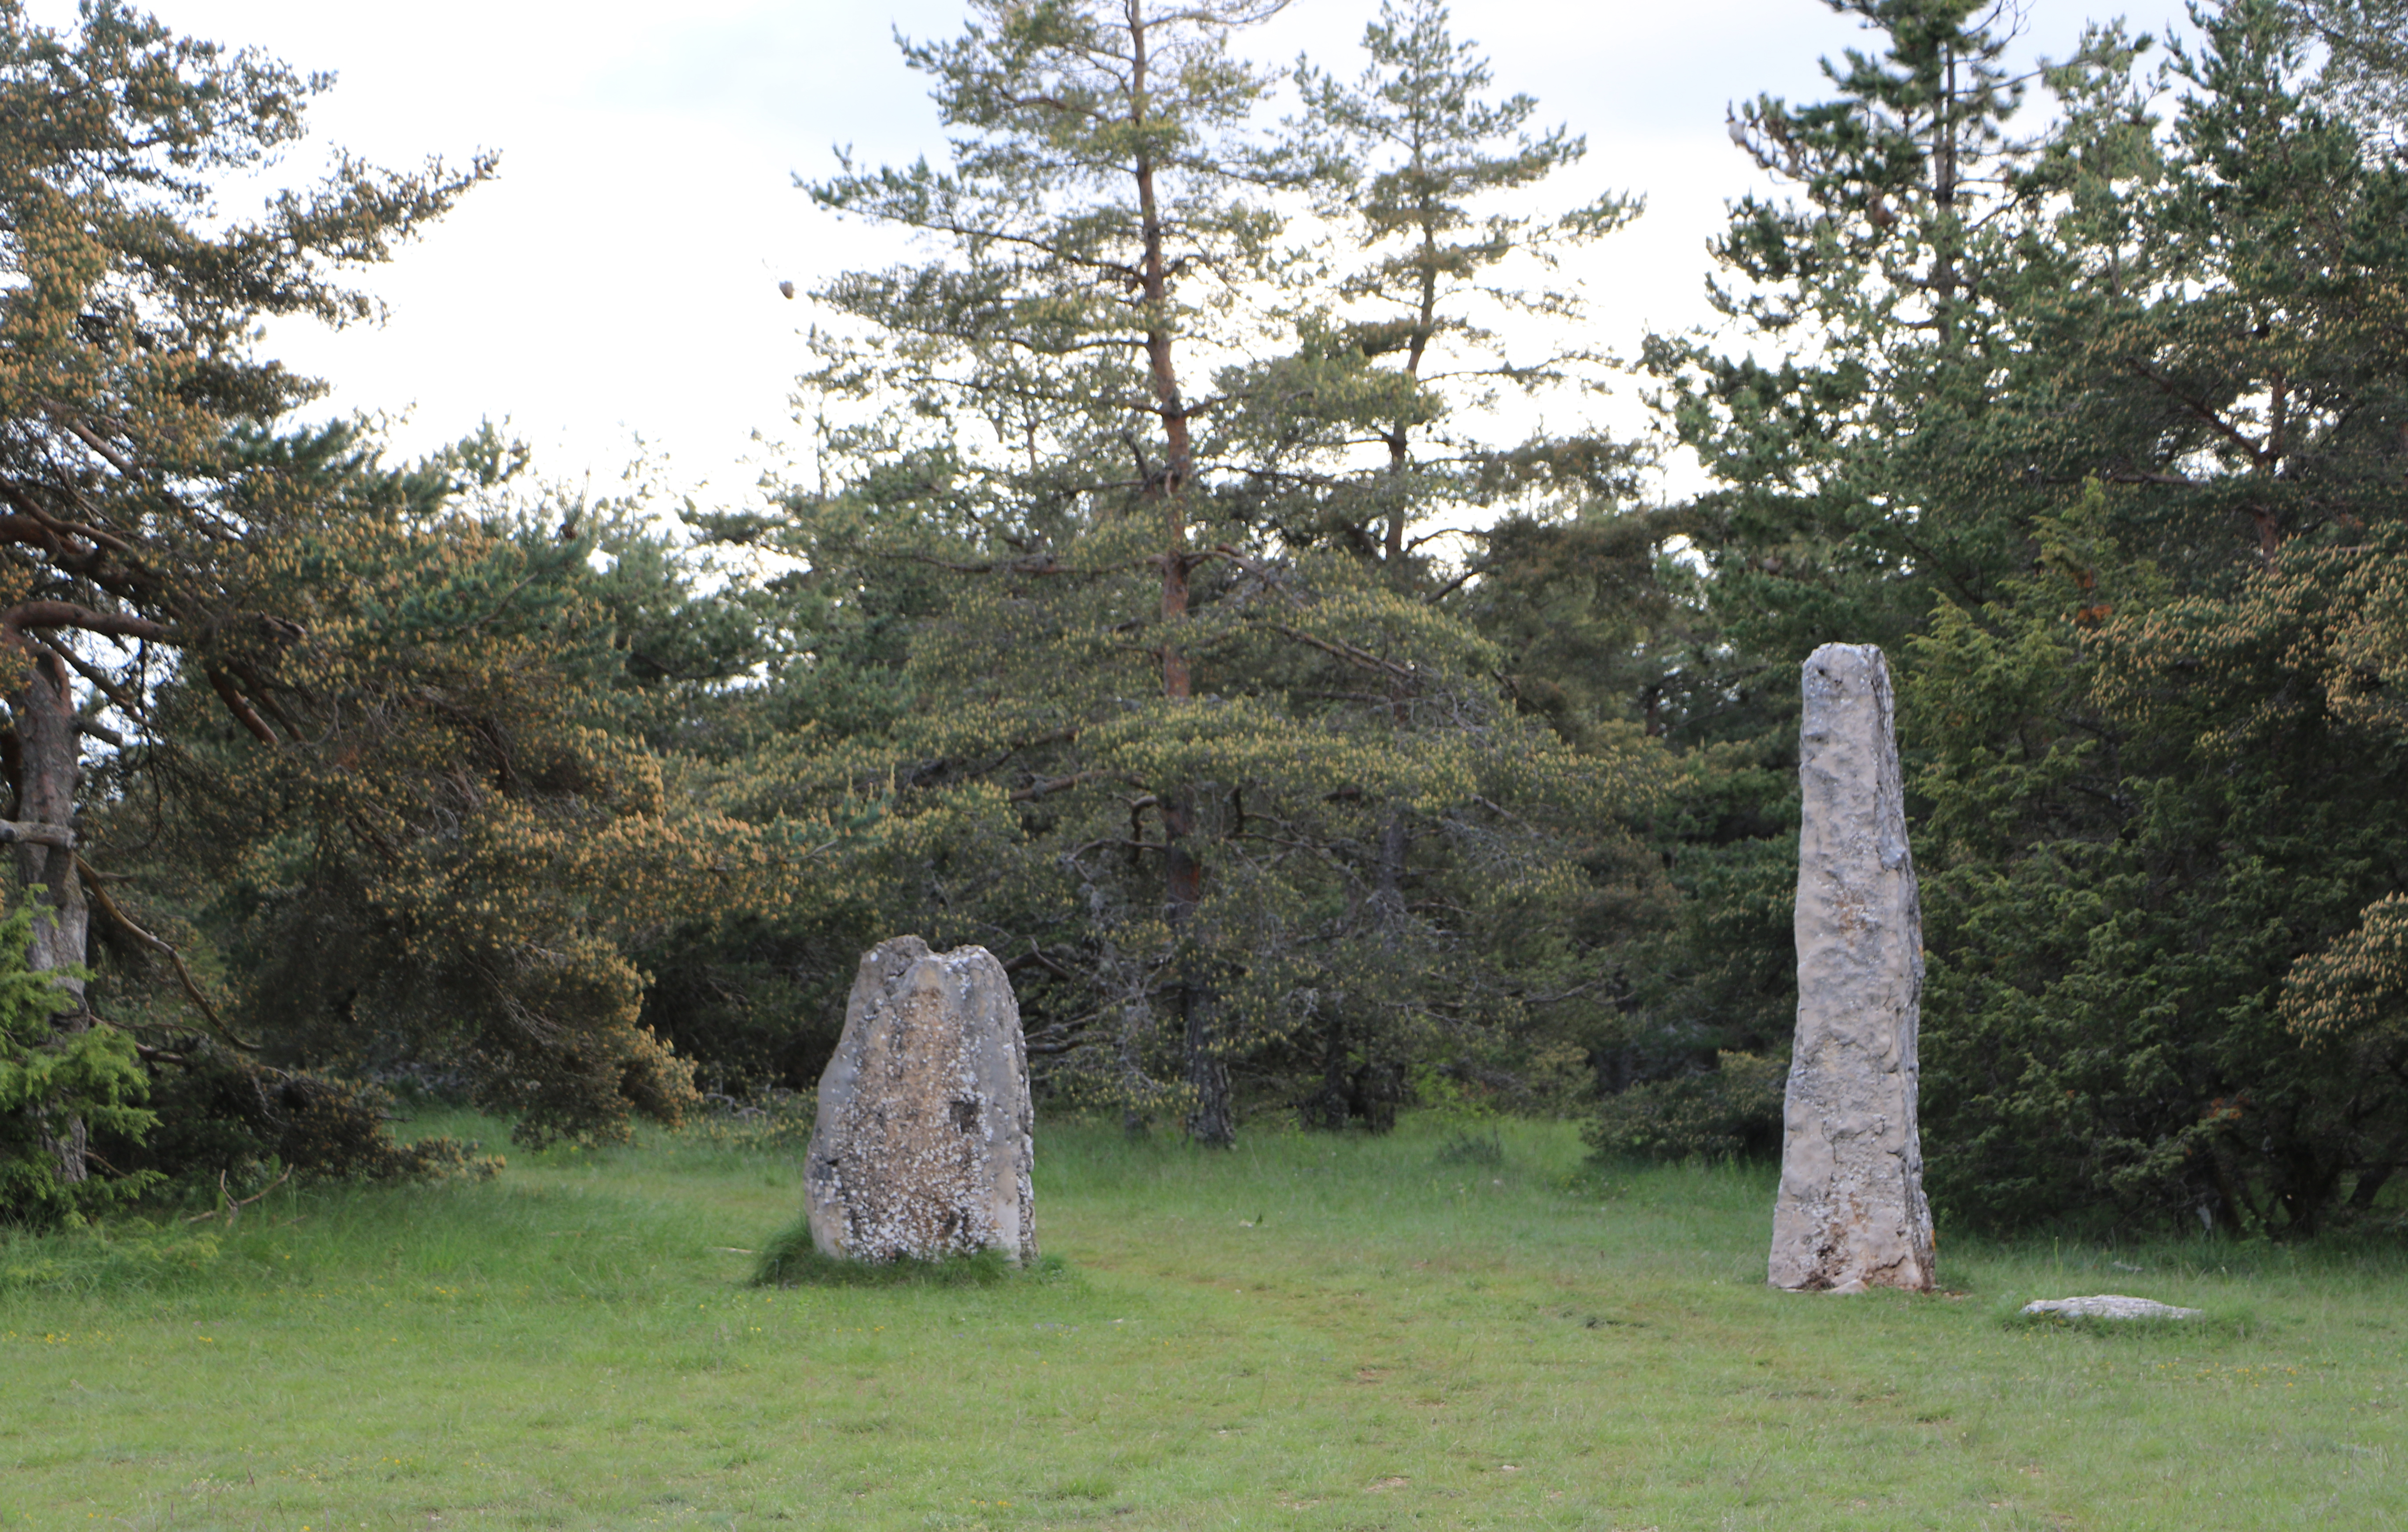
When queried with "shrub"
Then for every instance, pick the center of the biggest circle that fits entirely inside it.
(224, 1115)
(1731, 1111)
(50, 1081)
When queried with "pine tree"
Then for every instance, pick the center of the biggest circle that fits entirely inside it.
(315, 759)
(1885, 289)
(1424, 184)
(1374, 436)
(1098, 198)
(125, 327)
(2161, 821)
(2365, 71)
(1153, 756)
(1875, 301)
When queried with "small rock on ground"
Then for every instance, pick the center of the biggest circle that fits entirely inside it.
(2109, 1305)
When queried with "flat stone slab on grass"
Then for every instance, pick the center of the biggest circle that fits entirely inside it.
(2109, 1305)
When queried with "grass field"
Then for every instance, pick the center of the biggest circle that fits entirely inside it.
(1310, 1332)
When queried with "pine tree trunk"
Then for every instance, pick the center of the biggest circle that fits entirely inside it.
(1388, 877)
(1400, 434)
(1327, 1109)
(48, 752)
(1210, 1119)
(1209, 1122)
(2371, 1180)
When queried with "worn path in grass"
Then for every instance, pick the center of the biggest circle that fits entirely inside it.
(1311, 1332)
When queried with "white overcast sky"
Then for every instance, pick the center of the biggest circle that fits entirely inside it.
(620, 278)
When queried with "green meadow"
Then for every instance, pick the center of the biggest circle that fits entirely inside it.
(1427, 1329)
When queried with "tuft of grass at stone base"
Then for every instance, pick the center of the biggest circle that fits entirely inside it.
(790, 1259)
(1310, 1332)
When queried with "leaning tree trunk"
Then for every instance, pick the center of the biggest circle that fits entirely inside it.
(48, 754)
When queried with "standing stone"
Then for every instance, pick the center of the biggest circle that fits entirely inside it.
(923, 1146)
(1851, 1212)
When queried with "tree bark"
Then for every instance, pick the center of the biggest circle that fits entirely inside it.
(1425, 326)
(48, 761)
(1208, 1077)
(1209, 1121)
(2372, 1176)
(1162, 376)
(1388, 877)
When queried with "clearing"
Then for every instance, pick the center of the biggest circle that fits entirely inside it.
(1430, 1330)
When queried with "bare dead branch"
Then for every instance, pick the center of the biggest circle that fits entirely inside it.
(229, 1206)
(103, 683)
(28, 615)
(1339, 649)
(109, 906)
(223, 686)
(1057, 784)
(33, 833)
(2198, 409)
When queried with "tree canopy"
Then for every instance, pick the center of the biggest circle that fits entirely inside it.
(1163, 605)
(1227, 797)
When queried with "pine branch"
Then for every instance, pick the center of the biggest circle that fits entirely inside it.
(94, 890)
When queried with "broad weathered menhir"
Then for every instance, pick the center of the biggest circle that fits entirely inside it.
(923, 1145)
(1851, 1212)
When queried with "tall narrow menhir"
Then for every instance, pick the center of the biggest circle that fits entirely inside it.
(1851, 1212)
